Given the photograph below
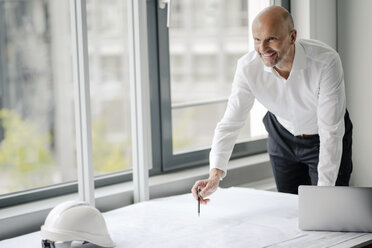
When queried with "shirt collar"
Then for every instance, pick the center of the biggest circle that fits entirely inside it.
(299, 61)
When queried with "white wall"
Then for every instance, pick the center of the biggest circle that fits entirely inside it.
(316, 19)
(355, 48)
(345, 25)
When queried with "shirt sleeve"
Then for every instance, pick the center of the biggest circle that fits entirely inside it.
(331, 111)
(239, 104)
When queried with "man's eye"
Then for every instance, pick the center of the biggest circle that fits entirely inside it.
(271, 39)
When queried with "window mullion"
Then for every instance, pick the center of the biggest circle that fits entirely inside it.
(82, 100)
(140, 98)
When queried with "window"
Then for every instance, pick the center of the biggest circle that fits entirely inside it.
(191, 66)
(37, 112)
(109, 85)
(37, 141)
(198, 56)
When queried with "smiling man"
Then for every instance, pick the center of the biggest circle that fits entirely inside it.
(301, 84)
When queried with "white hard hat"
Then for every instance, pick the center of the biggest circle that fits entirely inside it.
(76, 220)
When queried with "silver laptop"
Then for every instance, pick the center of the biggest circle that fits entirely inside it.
(335, 208)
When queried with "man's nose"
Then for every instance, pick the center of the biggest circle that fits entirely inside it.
(263, 46)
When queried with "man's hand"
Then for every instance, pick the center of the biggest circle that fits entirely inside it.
(207, 186)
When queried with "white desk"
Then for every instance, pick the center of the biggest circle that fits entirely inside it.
(235, 217)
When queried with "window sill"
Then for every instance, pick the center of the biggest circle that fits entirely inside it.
(29, 217)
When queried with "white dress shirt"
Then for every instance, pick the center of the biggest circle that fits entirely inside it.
(310, 101)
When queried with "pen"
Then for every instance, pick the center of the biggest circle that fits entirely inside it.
(198, 201)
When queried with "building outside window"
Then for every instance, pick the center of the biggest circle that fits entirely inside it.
(109, 85)
(206, 38)
(37, 130)
(37, 144)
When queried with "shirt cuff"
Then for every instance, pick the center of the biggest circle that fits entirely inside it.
(322, 183)
(224, 171)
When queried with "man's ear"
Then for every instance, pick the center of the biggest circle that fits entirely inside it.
(293, 36)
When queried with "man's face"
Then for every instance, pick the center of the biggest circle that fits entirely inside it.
(272, 42)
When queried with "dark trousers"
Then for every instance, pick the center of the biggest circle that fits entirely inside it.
(294, 160)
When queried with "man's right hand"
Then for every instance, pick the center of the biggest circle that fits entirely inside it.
(207, 186)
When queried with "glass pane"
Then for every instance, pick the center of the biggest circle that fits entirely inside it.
(37, 132)
(193, 127)
(202, 66)
(109, 85)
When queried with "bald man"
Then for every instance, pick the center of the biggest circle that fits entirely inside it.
(301, 84)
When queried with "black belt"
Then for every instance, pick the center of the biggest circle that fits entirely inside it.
(305, 136)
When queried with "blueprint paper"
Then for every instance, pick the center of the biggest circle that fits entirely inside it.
(235, 217)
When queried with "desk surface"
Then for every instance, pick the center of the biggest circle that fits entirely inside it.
(235, 217)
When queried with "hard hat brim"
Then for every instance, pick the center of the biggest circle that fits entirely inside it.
(66, 235)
